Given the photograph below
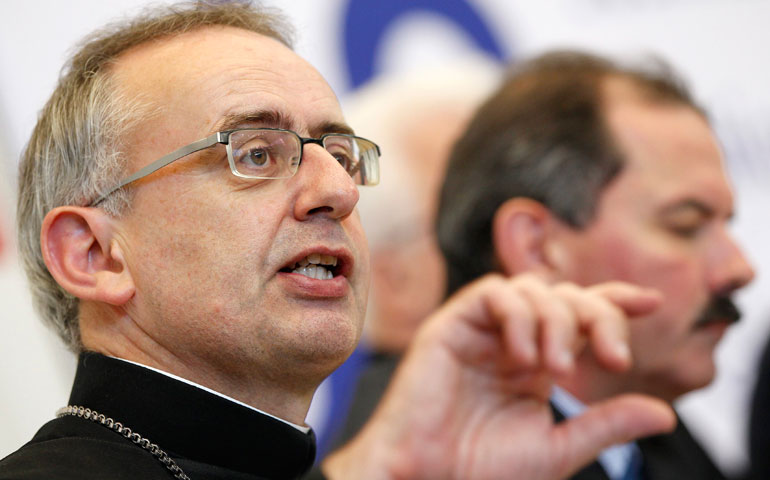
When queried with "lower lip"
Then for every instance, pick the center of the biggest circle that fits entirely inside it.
(313, 288)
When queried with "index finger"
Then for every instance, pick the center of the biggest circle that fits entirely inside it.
(632, 299)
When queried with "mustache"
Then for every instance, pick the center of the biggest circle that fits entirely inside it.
(720, 309)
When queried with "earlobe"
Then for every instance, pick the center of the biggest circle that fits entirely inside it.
(520, 235)
(80, 252)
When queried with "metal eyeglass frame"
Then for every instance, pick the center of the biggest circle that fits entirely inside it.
(223, 137)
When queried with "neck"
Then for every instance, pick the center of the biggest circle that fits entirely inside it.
(254, 385)
(262, 404)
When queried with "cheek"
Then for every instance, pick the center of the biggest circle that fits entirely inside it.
(670, 267)
(665, 265)
(409, 281)
(211, 250)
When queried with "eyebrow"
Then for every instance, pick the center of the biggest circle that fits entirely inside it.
(265, 118)
(277, 119)
(331, 127)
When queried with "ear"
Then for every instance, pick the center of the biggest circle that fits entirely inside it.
(80, 252)
(521, 232)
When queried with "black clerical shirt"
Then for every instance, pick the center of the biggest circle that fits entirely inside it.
(208, 436)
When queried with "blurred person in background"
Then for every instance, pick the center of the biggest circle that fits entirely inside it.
(578, 169)
(418, 115)
(416, 118)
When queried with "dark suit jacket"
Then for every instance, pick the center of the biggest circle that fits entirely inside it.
(674, 456)
(759, 425)
(370, 387)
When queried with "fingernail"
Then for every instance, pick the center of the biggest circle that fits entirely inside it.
(565, 360)
(622, 351)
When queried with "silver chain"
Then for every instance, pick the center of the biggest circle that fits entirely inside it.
(126, 432)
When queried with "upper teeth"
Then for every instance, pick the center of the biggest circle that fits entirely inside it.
(314, 266)
(318, 259)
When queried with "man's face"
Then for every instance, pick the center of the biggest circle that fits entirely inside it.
(662, 223)
(212, 255)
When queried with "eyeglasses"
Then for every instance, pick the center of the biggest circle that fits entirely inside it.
(272, 153)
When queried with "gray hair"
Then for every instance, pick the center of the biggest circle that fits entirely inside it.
(393, 110)
(415, 117)
(75, 152)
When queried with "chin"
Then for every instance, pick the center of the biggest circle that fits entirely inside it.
(335, 352)
(329, 344)
(691, 381)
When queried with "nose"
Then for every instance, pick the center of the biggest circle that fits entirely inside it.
(729, 267)
(324, 187)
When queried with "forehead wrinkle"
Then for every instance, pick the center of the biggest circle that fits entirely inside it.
(240, 88)
(249, 84)
(258, 84)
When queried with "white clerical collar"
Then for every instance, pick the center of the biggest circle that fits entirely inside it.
(614, 460)
(301, 428)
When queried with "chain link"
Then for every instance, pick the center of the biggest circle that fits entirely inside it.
(126, 432)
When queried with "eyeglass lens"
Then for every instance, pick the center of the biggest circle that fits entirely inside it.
(276, 154)
(265, 153)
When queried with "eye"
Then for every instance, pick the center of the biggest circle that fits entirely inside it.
(256, 157)
(686, 227)
(686, 222)
(342, 149)
(344, 160)
(685, 231)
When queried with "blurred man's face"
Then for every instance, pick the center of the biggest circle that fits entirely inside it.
(408, 272)
(214, 256)
(662, 223)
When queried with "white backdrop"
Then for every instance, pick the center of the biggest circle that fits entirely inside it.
(719, 46)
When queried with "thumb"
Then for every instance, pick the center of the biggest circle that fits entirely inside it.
(617, 420)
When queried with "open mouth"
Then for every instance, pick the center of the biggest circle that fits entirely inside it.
(317, 266)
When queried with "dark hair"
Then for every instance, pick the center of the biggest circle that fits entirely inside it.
(541, 135)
